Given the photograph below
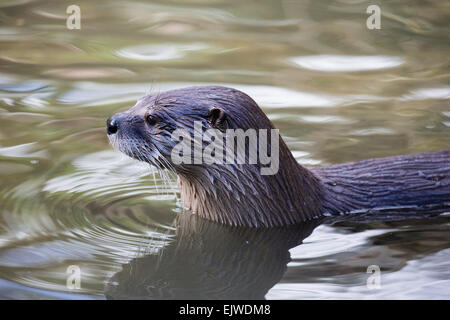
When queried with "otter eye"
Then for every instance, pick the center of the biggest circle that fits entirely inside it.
(152, 119)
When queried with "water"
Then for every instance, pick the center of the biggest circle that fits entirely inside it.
(336, 90)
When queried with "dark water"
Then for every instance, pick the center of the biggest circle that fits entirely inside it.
(337, 91)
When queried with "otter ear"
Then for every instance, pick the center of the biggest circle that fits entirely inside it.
(217, 117)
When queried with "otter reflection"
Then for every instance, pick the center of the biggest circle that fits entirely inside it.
(208, 260)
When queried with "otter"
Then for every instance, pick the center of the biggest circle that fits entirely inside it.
(238, 194)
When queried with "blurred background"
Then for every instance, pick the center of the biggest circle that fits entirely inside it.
(336, 90)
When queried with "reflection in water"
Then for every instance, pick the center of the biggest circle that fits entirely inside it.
(208, 260)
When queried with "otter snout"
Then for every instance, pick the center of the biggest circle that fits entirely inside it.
(114, 123)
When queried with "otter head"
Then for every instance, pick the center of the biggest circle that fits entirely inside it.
(237, 193)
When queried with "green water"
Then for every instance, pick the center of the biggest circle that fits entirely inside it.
(336, 90)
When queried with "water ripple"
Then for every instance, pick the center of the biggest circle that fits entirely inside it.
(160, 52)
(336, 63)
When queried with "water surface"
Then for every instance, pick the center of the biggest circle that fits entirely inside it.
(336, 90)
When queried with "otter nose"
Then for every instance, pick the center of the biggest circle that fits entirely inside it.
(112, 125)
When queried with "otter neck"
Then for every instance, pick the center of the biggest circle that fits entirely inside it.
(239, 195)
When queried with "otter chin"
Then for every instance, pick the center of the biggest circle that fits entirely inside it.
(239, 193)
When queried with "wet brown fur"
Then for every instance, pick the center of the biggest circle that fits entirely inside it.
(240, 195)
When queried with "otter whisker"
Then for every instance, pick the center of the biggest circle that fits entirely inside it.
(150, 159)
(164, 175)
(146, 157)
